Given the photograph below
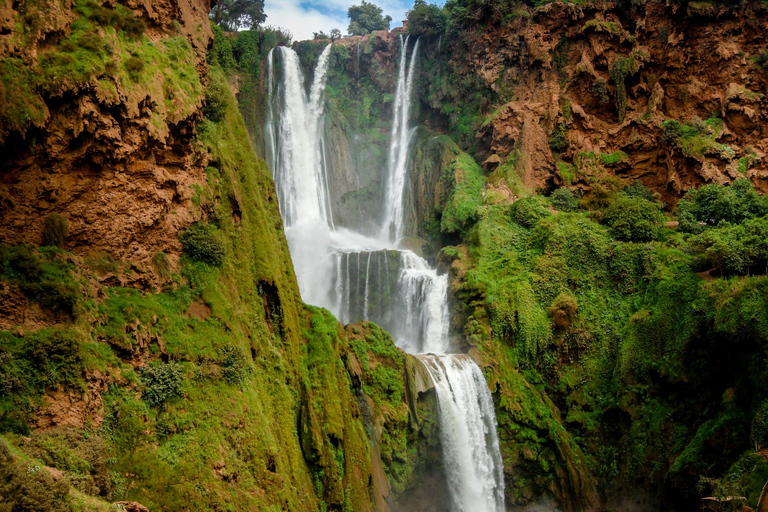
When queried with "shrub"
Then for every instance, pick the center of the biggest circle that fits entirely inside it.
(48, 283)
(761, 60)
(134, 66)
(235, 364)
(216, 99)
(633, 219)
(56, 355)
(563, 310)
(83, 456)
(673, 130)
(637, 189)
(527, 211)
(600, 90)
(202, 242)
(558, 140)
(564, 200)
(55, 230)
(713, 204)
(162, 383)
(29, 488)
(91, 42)
(759, 434)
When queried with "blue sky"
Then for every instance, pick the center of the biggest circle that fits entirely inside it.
(302, 17)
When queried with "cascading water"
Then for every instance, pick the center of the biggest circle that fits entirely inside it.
(362, 278)
(398, 149)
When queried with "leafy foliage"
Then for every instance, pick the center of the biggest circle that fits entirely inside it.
(203, 242)
(428, 20)
(563, 199)
(233, 15)
(714, 204)
(29, 487)
(633, 219)
(558, 139)
(365, 18)
(527, 211)
(162, 383)
(464, 182)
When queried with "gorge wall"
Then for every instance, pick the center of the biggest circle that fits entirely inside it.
(160, 351)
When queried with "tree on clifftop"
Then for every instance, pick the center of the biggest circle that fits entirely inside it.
(232, 15)
(365, 18)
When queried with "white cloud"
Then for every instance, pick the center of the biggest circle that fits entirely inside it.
(303, 21)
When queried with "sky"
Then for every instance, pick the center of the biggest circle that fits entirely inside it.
(302, 17)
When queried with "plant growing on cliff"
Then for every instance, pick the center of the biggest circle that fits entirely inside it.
(563, 310)
(633, 219)
(25, 486)
(527, 211)
(55, 230)
(558, 139)
(203, 242)
(162, 383)
(564, 200)
(622, 67)
(365, 18)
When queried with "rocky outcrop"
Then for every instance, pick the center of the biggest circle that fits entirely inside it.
(607, 81)
(114, 151)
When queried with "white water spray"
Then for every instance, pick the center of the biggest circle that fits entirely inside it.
(468, 429)
(392, 228)
(404, 295)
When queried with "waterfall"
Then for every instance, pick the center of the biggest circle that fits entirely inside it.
(362, 278)
(392, 228)
(468, 429)
(297, 160)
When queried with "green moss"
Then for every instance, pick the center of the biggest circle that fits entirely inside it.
(610, 159)
(21, 107)
(463, 183)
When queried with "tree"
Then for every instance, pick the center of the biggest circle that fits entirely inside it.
(232, 15)
(633, 219)
(320, 35)
(335, 34)
(426, 20)
(564, 200)
(365, 18)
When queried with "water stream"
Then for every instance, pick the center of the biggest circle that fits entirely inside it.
(365, 278)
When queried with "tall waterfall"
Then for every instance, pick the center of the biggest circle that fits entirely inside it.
(362, 278)
(468, 429)
(398, 149)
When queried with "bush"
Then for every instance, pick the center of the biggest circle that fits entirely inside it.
(761, 60)
(29, 488)
(162, 383)
(673, 130)
(83, 456)
(637, 189)
(564, 200)
(633, 219)
(56, 356)
(55, 230)
(600, 90)
(528, 211)
(134, 66)
(713, 204)
(216, 99)
(235, 364)
(48, 283)
(91, 42)
(563, 310)
(759, 434)
(202, 242)
(558, 140)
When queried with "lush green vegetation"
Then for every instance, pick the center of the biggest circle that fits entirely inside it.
(613, 327)
(365, 18)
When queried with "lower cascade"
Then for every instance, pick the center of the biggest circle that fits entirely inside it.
(362, 278)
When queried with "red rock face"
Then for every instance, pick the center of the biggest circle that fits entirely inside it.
(687, 65)
(119, 164)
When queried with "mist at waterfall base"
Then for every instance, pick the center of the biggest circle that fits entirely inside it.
(361, 277)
